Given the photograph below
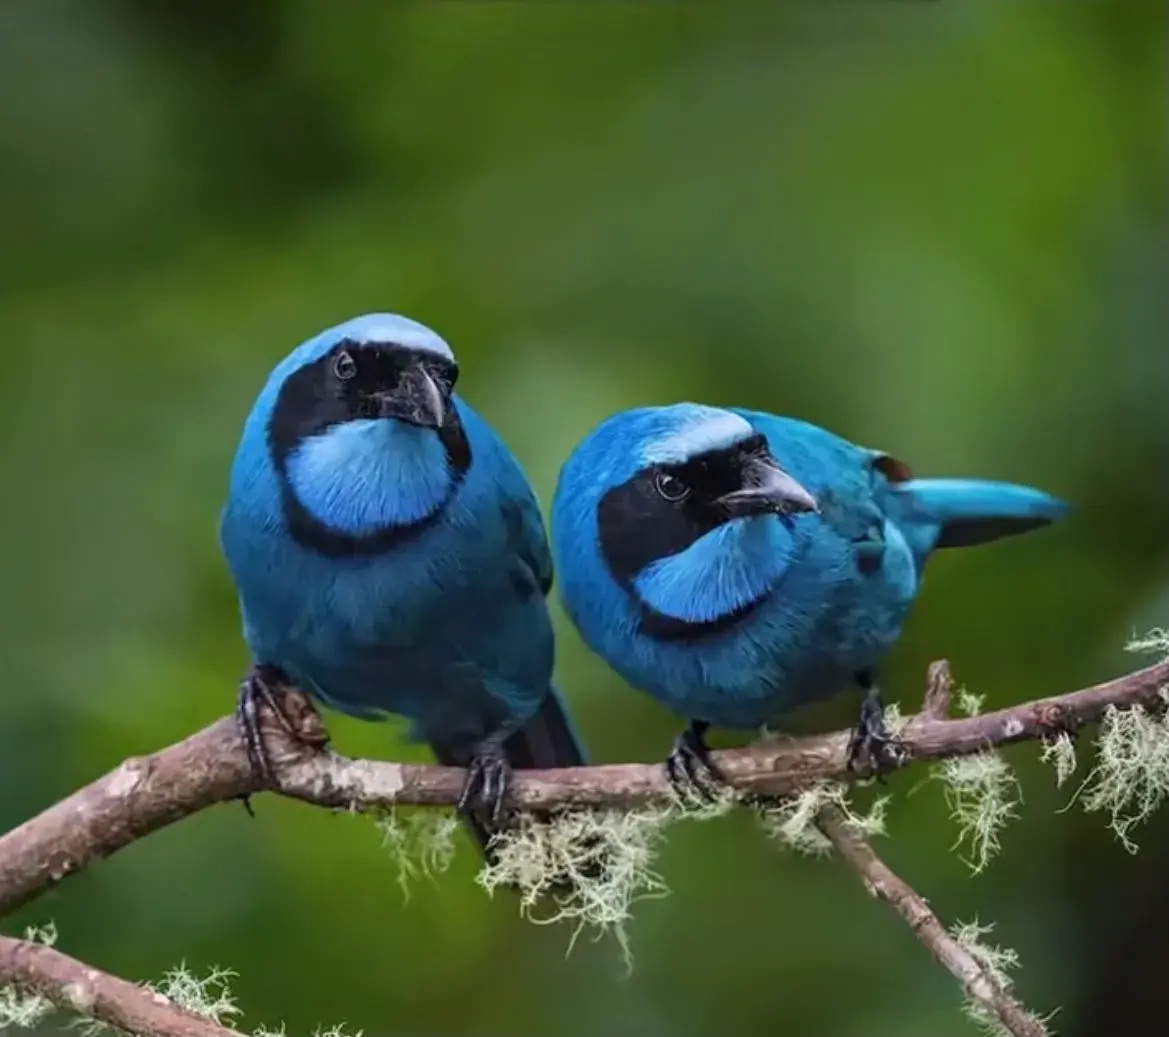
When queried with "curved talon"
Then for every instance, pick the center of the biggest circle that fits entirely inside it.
(487, 785)
(689, 767)
(871, 748)
(259, 686)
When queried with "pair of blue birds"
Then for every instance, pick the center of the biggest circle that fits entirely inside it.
(390, 558)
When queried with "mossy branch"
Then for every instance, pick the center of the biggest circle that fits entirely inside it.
(146, 793)
(988, 998)
(50, 978)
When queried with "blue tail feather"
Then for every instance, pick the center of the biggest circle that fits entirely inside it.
(548, 740)
(964, 512)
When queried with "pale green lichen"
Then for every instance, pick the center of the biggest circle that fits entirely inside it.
(1131, 777)
(791, 821)
(895, 722)
(967, 702)
(210, 997)
(21, 1009)
(589, 867)
(691, 805)
(1155, 642)
(45, 934)
(983, 795)
(421, 843)
(332, 1031)
(1060, 752)
(996, 964)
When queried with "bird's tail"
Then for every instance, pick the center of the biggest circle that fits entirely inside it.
(937, 513)
(546, 741)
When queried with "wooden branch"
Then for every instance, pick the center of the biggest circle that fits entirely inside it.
(980, 985)
(76, 987)
(146, 793)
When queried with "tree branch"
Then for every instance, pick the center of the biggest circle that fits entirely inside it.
(146, 793)
(76, 987)
(981, 986)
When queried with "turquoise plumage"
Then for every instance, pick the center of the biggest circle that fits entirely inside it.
(390, 556)
(736, 564)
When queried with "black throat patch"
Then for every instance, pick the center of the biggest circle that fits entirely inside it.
(638, 525)
(315, 398)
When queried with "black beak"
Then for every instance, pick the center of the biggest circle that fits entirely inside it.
(767, 490)
(415, 399)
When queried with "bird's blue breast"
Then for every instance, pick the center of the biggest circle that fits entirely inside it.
(366, 471)
(448, 628)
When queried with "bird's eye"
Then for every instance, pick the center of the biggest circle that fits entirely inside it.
(452, 375)
(671, 487)
(344, 366)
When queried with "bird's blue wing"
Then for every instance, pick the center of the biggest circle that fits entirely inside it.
(549, 738)
(526, 538)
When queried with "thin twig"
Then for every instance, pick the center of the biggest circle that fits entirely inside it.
(939, 686)
(980, 986)
(146, 793)
(76, 987)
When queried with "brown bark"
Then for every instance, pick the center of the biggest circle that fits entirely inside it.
(146, 793)
(76, 987)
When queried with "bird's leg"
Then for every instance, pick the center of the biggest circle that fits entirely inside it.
(262, 687)
(871, 744)
(488, 781)
(689, 766)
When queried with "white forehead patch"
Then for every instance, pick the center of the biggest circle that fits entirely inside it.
(387, 329)
(416, 337)
(705, 428)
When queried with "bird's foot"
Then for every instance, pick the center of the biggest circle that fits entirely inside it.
(872, 748)
(485, 790)
(691, 771)
(266, 689)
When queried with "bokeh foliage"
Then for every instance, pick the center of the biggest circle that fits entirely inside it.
(939, 229)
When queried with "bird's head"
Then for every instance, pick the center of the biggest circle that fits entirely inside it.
(682, 495)
(363, 426)
(375, 367)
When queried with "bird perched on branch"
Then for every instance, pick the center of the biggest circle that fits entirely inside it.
(736, 564)
(390, 558)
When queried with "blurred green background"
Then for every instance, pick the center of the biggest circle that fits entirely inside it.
(937, 229)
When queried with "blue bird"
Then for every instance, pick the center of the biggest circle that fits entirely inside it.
(736, 564)
(390, 558)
